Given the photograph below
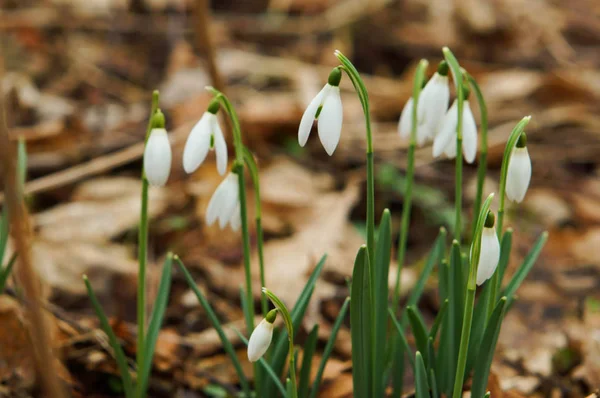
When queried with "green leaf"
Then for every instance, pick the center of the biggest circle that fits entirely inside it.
(156, 319)
(270, 372)
(361, 322)
(5, 272)
(457, 303)
(217, 325)
(433, 383)
(280, 343)
(446, 360)
(380, 296)
(402, 338)
(488, 346)
(329, 347)
(438, 320)
(418, 327)
(421, 383)
(307, 356)
(522, 272)
(112, 339)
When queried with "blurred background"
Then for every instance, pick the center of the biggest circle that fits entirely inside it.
(77, 84)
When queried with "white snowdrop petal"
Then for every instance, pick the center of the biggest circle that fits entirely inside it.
(447, 132)
(220, 146)
(438, 104)
(216, 202)
(518, 174)
(404, 125)
(260, 340)
(157, 157)
(450, 150)
(309, 116)
(469, 134)
(488, 256)
(197, 144)
(230, 200)
(236, 219)
(330, 120)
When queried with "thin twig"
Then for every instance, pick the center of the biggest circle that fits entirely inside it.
(206, 43)
(25, 273)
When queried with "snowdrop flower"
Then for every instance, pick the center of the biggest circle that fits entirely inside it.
(326, 107)
(157, 153)
(224, 205)
(433, 103)
(489, 254)
(445, 139)
(205, 135)
(261, 337)
(519, 171)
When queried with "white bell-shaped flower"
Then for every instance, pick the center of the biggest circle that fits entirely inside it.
(326, 107)
(224, 205)
(206, 134)
(261, 337)
(157, 157)
(489, 254)
(433, 103)
(519, 171)
(445, 139)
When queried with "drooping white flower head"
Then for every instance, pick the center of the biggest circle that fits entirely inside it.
(224, 205)
(326, 107)
(433, 103)
(205, 135)
(519, 171)
(489, 254)
(157, 152)
(445, 139)
(261, 337)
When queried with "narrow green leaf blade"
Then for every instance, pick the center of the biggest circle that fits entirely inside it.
(217, 325)
(488, 346)
(360, 324)
(307, 356)
(433, 384)
(421, 383)
(383, 252)
(418, 327)
(329, 347)
(438, 320)
(402, 338)
(112, 339)
(156, 319)
(528, 263)
(4, 223)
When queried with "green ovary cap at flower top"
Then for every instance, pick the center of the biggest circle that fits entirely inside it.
(490, 220)
(213, 106)
(335, 77)
(466, 91)
(443, 68)
(158, 120)
(522, 141)
(271, 316)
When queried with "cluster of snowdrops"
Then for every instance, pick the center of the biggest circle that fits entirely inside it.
(461, 341)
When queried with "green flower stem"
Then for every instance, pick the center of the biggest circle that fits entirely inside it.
(481, 170)
(510, 144)
(238, 168)
(458, 81)
(253, 169)
(363, 96)
(410, 173)
(470, 300)
(143, 250)
(287, 320)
